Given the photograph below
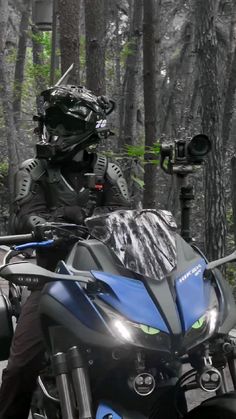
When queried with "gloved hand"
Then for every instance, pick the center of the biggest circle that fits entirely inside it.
(74, 214)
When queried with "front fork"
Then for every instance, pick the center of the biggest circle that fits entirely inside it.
(72, 384)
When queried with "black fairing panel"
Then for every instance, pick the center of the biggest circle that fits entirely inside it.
(186, 256)
(163, 292)
(93, 255)
(6, 327)
(163, 295)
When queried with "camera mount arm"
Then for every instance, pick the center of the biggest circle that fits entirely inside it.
(180, 158)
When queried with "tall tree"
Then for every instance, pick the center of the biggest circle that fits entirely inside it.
(68, 12)
(131, 79)
(233, 189)
(230, 82)
(95, 28)
(20, 60)
(6, 96)
(116, 47)
(151, 10)
(206, 46)
(178, 67)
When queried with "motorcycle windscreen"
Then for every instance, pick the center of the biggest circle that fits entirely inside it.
(144, 241)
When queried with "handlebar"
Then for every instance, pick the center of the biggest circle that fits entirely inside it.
(46, 235)
(16, 239)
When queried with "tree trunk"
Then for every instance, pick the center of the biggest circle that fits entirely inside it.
(150, 68)
(118, 86)
(132, 75)
(229, 104)
(233, 189)
(207, 54)
(68, 12)
(20, 61)
(95, 28)
(6, 100)
(230, 82)
(178, 71)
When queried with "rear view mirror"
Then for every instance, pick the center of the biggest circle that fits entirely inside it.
(28, 274)
(222, 261)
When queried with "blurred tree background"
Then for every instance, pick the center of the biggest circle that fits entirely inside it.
(170, 66)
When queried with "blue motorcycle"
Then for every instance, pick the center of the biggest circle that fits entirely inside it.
(129, 306)
(133, 302)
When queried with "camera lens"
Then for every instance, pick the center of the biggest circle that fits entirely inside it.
(199, 146)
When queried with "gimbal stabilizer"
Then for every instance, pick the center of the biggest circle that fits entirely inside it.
(179, 159)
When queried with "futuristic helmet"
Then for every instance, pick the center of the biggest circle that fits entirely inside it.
(72, 119)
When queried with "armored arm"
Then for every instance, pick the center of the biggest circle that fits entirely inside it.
(30, 206)
(116, 194)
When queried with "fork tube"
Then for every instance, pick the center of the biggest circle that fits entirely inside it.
(81, 383)
(224, 386)
(232, 369)
(61, 374)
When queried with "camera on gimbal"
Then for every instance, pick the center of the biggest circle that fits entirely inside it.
(182, 155)
(179, 159)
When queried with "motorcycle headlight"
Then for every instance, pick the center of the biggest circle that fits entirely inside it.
(202, 329)
(134, 333)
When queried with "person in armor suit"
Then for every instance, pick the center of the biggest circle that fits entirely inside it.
(53, 187)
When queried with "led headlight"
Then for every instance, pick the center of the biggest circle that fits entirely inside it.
(135, 333)
(202, 329)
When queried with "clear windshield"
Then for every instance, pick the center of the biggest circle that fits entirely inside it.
(144, 241)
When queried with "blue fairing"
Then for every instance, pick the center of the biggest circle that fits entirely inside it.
(104, 410)
(130, 298)
(72, 296)
(192, 294)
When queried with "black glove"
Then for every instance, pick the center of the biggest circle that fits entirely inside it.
(74, 214)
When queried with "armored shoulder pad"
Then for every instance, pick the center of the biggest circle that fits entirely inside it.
(100, 167)
(29, 172)
(115, 176)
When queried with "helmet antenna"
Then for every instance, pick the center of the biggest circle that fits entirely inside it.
(64, 79)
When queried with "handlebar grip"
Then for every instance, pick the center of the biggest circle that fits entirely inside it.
(16, 239)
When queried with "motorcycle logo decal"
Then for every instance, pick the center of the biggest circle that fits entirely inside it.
(149, 330)
(195, 271)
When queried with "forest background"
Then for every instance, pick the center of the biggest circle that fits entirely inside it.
(169, 65)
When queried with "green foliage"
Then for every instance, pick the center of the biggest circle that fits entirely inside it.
(135, 151)
(140, 154)
(127, 49)
(11, 56)
(44, 39)
(3, 169)
(82, 52)
(230, 267)
(176, 53)
(144, 154)
(231, 273)
(41, 71)
(139, 181)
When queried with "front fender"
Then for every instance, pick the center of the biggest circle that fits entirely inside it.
(106, 408)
